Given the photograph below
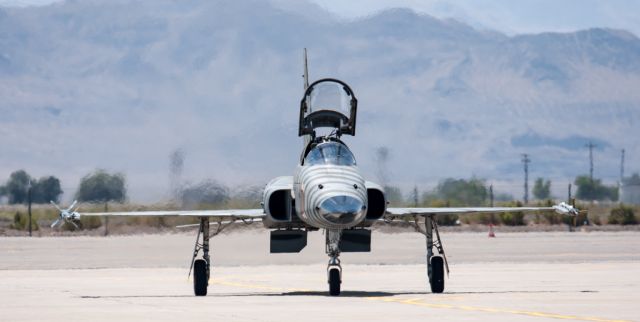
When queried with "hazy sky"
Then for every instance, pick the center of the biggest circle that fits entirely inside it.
(133, 82)
(511, 17)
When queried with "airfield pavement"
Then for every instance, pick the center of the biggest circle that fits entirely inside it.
(581, 276)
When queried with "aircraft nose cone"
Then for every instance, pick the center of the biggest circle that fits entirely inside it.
(341, 209)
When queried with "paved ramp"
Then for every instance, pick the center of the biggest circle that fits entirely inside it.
(582, 286)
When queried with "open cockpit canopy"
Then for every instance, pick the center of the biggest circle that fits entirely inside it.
(328, 103)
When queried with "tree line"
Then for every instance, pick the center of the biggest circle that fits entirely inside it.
(98, 186)
(475, 192)
(42, 190)
(101, 186)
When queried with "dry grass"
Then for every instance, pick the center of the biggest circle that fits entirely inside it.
(44, 215)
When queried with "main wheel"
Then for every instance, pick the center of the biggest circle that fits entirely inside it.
(437, 274)
(334, 281)
(200, 278)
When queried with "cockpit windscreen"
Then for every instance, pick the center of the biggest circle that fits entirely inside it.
(333, 153)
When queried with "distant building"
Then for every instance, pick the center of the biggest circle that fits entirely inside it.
(630, 190)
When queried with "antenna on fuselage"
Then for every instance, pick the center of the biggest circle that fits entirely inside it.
(307, 138)
(306, 71)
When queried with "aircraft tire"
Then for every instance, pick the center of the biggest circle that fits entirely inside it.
(200, 279)
(334, 282)
(437, 274)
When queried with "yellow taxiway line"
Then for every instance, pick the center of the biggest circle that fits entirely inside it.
(420, 302)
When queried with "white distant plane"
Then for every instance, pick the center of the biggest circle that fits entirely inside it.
(326, 192)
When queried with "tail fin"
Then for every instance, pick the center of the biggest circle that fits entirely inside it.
(306, 71)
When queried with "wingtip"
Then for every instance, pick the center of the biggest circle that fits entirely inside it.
(566, 209)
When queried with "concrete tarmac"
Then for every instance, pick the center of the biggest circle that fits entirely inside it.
(514, 277)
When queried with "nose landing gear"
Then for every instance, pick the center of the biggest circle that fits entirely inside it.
(334, 270)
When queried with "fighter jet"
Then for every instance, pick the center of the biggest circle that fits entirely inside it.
(326, 192)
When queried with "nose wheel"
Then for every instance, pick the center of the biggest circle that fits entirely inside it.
(335, 279)
(334, 270)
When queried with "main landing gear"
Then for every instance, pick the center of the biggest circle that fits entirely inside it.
(334, 270)
(436, 264)
(201, 267)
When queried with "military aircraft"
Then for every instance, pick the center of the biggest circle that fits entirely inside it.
(326, 192)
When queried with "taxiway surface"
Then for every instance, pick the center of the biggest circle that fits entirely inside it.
(515, 277)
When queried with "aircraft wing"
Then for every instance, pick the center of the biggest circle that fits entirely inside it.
(227, 214)
(562, 208)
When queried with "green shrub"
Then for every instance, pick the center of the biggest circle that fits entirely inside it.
(515, 218)
(553, 218)
(580, 219)
(21, 222)
(444, 220)
(622, 216)
(90, 222)
(447, 220)
(486, 219)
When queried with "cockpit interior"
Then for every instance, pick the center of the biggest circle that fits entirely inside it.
(329, 153)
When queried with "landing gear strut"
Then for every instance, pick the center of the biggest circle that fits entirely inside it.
(436, 264)
(334, 270)
(201, 267)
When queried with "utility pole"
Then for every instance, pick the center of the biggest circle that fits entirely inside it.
(569, 195)
(415, 196)
(621, 182)
(492, 216)
(526, 161)
(29, 189)
(590, 145)
(622, 167)
(491, 196)
(106, 219)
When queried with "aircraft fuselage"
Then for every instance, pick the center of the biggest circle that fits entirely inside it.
(330, 196)
(327, 190)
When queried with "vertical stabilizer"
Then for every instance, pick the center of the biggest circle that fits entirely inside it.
(306, 71)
